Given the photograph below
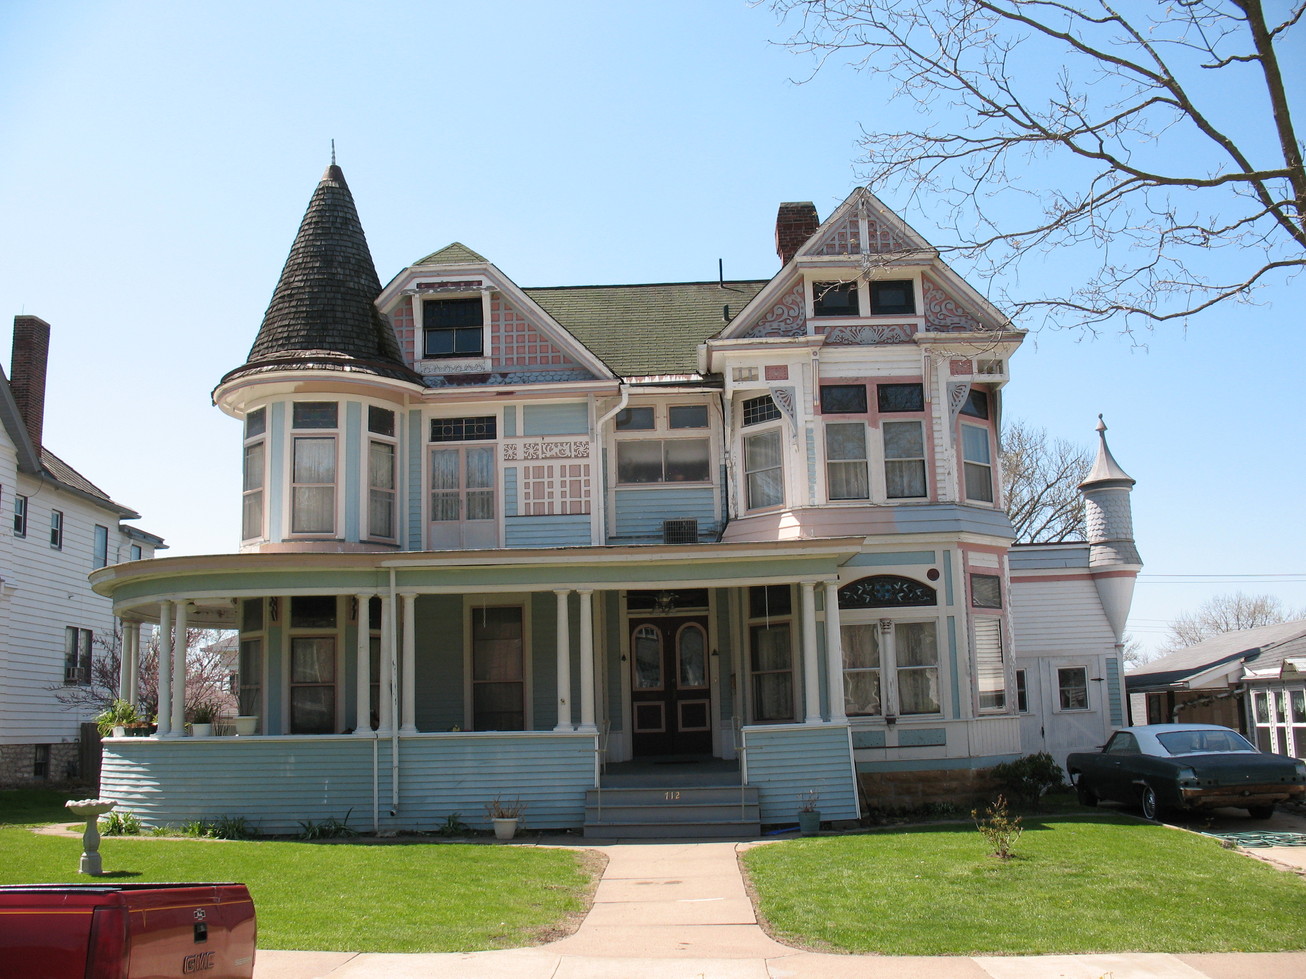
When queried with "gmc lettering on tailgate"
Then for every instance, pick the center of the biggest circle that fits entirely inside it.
(199, 962)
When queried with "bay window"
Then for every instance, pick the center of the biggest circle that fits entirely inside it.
(891, 667)
(255, 474)
(764, 469)
(990, 665)
(845, 461)
(904, 459)
(381, 451)
(977, 463)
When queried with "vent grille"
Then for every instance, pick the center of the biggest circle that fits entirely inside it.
(679, 531)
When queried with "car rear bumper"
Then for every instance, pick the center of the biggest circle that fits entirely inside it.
(1239, 796)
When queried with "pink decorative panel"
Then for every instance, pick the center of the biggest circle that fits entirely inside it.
(777, 372)
(942, 312)
(884, 239)
(850, 336)
(517, 343)
(956, 367)
(843, 239)
(402, 322)
(555, 488)
(787, 318)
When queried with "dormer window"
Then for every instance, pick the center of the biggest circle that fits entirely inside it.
(834, 299)
(453, 327)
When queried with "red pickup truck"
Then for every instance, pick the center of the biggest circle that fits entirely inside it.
(126, 931)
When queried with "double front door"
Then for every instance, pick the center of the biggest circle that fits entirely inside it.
(671, 700)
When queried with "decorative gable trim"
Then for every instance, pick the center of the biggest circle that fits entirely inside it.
(787, 317)
(943, 313)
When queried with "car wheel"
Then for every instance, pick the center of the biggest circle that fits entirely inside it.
(1085, 793)
(1260, 812)
(1148, 800)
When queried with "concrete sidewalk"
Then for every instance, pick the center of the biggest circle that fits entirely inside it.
(679, 911)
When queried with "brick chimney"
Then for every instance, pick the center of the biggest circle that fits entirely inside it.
(27, 372)
(795, 222)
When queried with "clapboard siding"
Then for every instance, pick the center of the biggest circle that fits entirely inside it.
(45, 591)
(640, 512)
(276, 783)
(554, 530)
(786, 762)
(561, 419)
(1061, 616)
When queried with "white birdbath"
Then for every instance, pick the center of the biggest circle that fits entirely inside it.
(91, 810)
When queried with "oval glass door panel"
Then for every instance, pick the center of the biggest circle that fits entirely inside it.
(691, 655)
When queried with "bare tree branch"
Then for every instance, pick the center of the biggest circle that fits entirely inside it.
(1123, 150)
(1227, 613)
(1040, 480)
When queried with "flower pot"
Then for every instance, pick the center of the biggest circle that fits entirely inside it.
(505, 829)
(119, 731)
(199, 729)
(809, 823)
(246, 724)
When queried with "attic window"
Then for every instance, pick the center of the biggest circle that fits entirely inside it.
(894, 296)
(834, 299)
(452, 327)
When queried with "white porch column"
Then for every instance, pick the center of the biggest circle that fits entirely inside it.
(124, 660)
(134, 664)
(179, 673)
(586, 659)
(407, 676)
(811, 675)
(385, 717)
(563, 641)
(834, 652)
(363, 668)
(165, 669)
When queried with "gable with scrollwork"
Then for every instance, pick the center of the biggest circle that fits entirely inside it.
(886, 591)
(787, 318)
(943, 313)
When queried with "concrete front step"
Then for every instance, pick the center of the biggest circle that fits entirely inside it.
(673, 812)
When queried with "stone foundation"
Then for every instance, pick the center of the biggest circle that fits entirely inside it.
(18, 765)
(961, 787)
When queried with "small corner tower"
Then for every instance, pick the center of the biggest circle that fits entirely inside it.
(1113, 559)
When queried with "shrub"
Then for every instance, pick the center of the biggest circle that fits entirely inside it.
(1028, 779)
(999, 827)
(120, 824)
(328, 829)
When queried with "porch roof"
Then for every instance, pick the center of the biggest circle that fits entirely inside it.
(214, 582)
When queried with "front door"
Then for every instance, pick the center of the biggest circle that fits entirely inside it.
(671, 702)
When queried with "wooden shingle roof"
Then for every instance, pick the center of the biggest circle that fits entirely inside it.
(642, 330)
(322, 314)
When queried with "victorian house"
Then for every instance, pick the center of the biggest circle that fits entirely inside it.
(522, 542)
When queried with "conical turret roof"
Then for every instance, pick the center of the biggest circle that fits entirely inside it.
(1106, 471)
(322, 315)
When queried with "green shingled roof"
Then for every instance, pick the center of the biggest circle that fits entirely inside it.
(646, 329)
(455, 253)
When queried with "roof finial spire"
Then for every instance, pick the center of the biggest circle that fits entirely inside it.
(333, 152)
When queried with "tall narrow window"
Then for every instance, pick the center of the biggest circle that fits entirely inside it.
(771, 658)
(20, 516)
(917, 651)
(77, 656)
(56, 529)
(381, 489)
(977, 463)
(904, 460)
(249, 666)
(863, 695)
(251, 520)
(313, 665)
(763, 469)
(498, 669)
(100, 552)
(845, 461)
(313, 470)
(136, 552)
(990, 670)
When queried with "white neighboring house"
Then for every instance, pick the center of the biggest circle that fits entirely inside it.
(58, 527)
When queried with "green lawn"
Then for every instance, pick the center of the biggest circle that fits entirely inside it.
(1078, 884)
(352, 896)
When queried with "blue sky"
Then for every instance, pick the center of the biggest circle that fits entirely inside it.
(158, 157)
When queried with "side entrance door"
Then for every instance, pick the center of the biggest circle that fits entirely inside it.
(671, 702)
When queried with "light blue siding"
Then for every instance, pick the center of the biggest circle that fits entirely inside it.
(786, 761)
(568, 419)
(510, 420)
(557, 530)
(640, 512)
(892, 558)
(1113, 688)
(275, 783)
(510, 494)
(415, 493)
(927, 737)
(352, 477)
(868, 739)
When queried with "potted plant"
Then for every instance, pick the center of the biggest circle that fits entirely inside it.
(505, 816)
(246, 724)
(115, 718)
(809, 817)
(202, 716)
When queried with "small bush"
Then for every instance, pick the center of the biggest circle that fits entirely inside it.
(222, 828)
(453, 826)
(120, 824)
(999, 827)
(328, 829)
(1028, 779)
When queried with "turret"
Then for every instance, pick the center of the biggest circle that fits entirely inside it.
(1108, 515)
